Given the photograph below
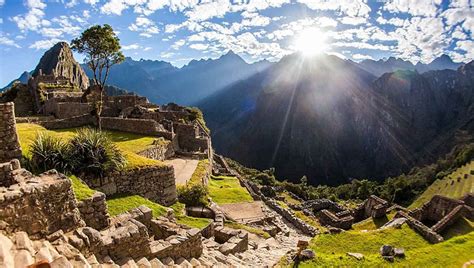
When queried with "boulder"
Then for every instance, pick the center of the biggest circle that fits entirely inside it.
(386, 250)
(399, 252)
(358, 256)
(307, 254)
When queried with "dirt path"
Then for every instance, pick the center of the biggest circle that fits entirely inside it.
(183, 169)
(242, 212)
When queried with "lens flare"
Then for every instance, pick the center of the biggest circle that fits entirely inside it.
(311, 41)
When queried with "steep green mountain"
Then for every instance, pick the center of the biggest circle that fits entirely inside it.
(328, 119)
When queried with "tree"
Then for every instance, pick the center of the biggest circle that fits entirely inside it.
(101, 46)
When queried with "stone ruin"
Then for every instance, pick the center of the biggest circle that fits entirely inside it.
(9, 145)
(437, 214)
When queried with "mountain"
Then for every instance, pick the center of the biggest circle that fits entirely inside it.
(60, 61)
(330, 120)
(24, 77)
(392, 64)
(162, 83)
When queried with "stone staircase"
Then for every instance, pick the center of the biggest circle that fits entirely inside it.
(19, 251)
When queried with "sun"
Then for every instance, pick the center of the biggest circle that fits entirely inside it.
(311, 41)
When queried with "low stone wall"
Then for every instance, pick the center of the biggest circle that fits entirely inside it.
(6, 172)
(139, 126)
(289, 216)
(187, 245)
(159, 151)
(94, 211)
(63, 110)
(54, 208)
(327, 218)
(419, 227)
(156, 183)
(9, 145)
(373, 206)
(73, 122)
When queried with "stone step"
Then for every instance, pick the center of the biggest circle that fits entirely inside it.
(143, 263)
(6, 257)
(156, 263)
(130, 263)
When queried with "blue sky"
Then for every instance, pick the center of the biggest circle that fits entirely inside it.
(178, 31)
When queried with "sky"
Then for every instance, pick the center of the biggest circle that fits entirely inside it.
(178, 31)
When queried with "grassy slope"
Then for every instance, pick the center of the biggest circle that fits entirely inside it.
(331, 249)
(199, 172)
(129, 143)
(454, 185)
(81, 190)
(227, 190)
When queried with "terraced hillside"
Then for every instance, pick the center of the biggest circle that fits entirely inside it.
(454, 185)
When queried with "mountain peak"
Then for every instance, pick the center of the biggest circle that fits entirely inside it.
(59, 61)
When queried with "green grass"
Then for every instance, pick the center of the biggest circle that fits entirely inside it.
(373, 224)
(122, 203)
(250, 229)
(81, 190)
(187, 220)
(199, 172)
(331, 249)
(227, 190)
(130, 144)
(453, 185)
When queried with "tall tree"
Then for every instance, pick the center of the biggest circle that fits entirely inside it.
(101, 47)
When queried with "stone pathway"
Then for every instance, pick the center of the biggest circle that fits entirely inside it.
(183, 168)
(243, 212)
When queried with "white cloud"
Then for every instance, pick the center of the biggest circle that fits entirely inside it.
(199, 46)
(131, 47)
(353, 20)
(8, 42)
(91, 2)
(34, 18)
(144, 26)
(468, 48)
(2, 2)
(354, 8)
(428, 8)
(44, 44)
(178, 44)
(361, 57)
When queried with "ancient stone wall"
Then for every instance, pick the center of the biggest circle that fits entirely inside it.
(156, 183)
(289, 216)
(435, 209)
(449, 219)
(7, 177)
(39, 205)
(419, 227)
(160, 151)
(189, 139)
(373, 206)
(328, 218)
(63, 110)
(94, 211)
(9, 144)
(72, 122)
(139, 126)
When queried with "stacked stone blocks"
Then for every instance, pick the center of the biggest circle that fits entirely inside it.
(9, 144)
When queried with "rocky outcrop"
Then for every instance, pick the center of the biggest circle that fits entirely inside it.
(59, 61)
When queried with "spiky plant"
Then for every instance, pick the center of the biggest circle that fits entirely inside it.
(94, 154)
(49, 152)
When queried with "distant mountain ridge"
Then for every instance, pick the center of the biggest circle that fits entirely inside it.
(330, 120)
(379, 67)
(161, 82)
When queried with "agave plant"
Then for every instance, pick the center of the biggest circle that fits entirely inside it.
(94, 154)
(49, 152)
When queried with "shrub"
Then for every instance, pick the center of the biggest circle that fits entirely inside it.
(194, 195)
(49, 152)
(265, 179)
(94, 154)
